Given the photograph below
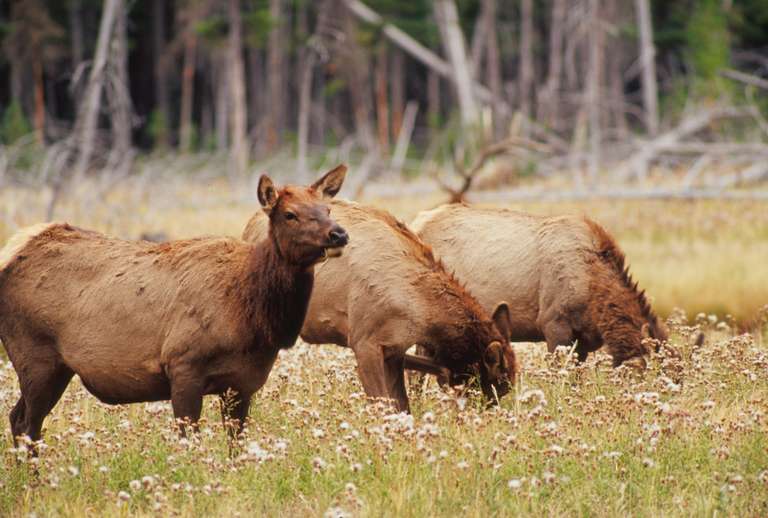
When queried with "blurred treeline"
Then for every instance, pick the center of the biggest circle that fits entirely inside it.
(193, 75)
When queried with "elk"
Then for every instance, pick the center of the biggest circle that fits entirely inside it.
(387, 293)
(141, 321)
(565, 277)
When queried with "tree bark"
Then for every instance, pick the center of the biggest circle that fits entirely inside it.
(433, 99)
(493, 66)
(39, 120)
(255, 86)
(239, 110)
(276, 65)
(594, 82)
(526, 58)
(162, 102)
(187, 86)
(549, 102)
(88, 118)
(382, 99)
(119, 93)
(76, 28)
(397, 82)
(448, 20)
(222, 90)
(358, 79)
(648, 66)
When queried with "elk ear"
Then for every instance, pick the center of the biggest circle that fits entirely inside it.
(330, 184)
(502, 320)
(267, 193)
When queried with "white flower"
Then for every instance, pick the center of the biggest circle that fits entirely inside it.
(122, 495)
(515, 484)
(462, 464)
(135, 485)
(73, 470)
(318, 463)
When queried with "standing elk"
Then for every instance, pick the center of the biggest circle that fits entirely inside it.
(564, 277)
(388, 293)
(141, 321)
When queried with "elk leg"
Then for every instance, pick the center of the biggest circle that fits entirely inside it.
(186, 400)
(395, 374)
(557, 332)
(372, 371)
(234, 411)
(17, 420)
(41, 389)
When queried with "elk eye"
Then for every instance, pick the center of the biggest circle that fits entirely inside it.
(290, 216)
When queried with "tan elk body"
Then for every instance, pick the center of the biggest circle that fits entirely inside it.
(388, 293)
(564, 277)
(141, 321)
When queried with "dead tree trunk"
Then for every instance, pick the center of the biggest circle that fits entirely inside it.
(448, 20)
(188, 83)
(493, 65)
(237, 105)
(549, 99)
(397, 81)
(161, 75)
(594, 83)
(85, 128)
(119, 93)
(648, 66)
(275, 71)
(433, 99)
(382, 99)
(358, 78)
(526, 59)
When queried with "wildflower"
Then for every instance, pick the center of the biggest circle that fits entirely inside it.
(515, 484)
(147, 481)
(548, 477)
(462, 464)
(318, 464)
(103, 469)
(135, 485)
(648, 462)
(73, 470)
(123, 496)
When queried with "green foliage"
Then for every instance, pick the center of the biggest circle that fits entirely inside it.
(708, 46)
(15, 124)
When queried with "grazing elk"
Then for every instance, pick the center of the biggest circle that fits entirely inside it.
(387, 293)
(564, 277)
(141, 321)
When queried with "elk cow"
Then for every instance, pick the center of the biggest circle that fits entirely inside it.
(564, 277)
(387, 293)
(141, 321)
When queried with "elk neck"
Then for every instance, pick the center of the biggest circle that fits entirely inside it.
(276, 295)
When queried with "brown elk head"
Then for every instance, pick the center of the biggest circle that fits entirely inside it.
(498, 365)
(300, 222)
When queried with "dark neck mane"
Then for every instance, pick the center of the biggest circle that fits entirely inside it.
(611, 254)
(276, 296)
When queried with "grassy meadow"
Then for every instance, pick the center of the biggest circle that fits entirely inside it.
(687, 437)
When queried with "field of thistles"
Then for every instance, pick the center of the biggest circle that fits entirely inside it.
(686, 437)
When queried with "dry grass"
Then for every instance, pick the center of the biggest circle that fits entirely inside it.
(687, 438)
